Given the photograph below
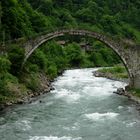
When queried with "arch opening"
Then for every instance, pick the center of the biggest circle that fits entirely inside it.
(32, 45)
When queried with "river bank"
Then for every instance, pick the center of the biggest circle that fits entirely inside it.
(30, 95)
(118, 73)
(45, 86)
(77, 109)
(131, 94)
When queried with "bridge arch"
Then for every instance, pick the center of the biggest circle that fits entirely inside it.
(32, 44)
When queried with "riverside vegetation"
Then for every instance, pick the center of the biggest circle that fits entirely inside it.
(118, 72)
(21, 20)
(50, 60)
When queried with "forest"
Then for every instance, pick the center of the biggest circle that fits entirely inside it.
(24, 19)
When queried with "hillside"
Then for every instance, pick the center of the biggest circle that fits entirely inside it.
(28, 17)
(23, 19)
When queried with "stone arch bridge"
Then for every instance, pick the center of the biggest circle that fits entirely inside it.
(128, 53)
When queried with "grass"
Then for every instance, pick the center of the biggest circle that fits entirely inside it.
(119, 72)
(135, 92)
(116, 71)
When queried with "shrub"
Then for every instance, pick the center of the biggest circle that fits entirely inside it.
(4, 65)
(16, 57)
(32, 81)
(52, 71)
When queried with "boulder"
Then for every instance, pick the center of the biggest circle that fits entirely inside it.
(120, 91)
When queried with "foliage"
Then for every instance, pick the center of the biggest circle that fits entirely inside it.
(32, 81)
(116, 71)
(52, 71)
(4, 65)
(28, 18)
(134, 92)
(7, 79)
(74, 55)
(16, 53)
(39, 59)
(52, 58)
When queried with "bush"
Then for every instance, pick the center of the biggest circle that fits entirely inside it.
(74, 55)
(119, 69)
(39, 58)
(4, 65)
(32, 82)
(116, 71)
(33, 68)
(52, 71)
(16, 57)
(5, 80)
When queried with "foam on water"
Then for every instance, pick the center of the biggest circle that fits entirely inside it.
(82, 107)
(53, 138)
(72, 79)
(131, 124)
(48, 103)
(101, 116)
(74, 127)
(96, 91)
(24, 125)
(2, 120)
(67, 95)
(120, 107)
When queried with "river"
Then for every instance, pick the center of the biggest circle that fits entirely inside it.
(82, 107)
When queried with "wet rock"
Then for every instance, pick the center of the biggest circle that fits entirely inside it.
(120, 91)
(52, 88)
(128, 87)
(98, 74)
(8, 104)
(2, 107)
(31, 96)
(21, 101)
(40, 101)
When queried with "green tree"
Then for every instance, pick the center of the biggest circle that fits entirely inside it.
(74, 55)
(5, 65)
(39, 58)
(16, 57)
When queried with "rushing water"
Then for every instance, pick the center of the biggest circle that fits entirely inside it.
(82, 107)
